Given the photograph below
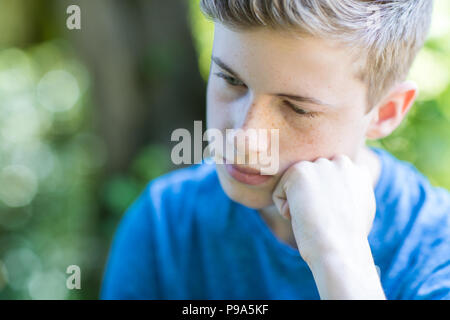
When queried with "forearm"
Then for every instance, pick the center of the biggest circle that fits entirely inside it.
(347, 276)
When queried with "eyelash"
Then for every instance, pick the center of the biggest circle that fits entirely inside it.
(230, 80)
(300, 111)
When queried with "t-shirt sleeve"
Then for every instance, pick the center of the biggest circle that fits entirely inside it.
(427, 271)
(130, 269)
(436, 286)
(433, 279)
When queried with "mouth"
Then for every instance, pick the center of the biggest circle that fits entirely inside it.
(246, 175)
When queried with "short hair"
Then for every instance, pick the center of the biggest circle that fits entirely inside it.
(387, 34)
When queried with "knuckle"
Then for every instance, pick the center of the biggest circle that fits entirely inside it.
(303, 166)
(343, 160)
(342, 157)
(323, 160)
(302, 169)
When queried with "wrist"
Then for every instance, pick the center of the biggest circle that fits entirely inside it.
(347, 275)
(325, 249)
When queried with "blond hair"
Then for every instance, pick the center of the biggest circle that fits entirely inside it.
(387, 34)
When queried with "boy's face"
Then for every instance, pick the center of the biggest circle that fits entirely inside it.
(263, 79)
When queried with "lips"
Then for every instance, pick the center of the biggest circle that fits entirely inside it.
(246, 175)
(247, 170)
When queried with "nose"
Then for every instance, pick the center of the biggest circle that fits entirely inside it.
(251, 135)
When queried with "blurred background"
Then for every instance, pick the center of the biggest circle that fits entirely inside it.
(86, 117)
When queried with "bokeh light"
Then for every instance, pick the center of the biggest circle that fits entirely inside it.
(58, 91)
(18, 185)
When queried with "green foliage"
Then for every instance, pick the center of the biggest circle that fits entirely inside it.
(49, 161)
(203, 34)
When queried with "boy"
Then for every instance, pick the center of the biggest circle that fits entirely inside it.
(339, 220)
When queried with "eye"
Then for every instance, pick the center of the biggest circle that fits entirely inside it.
(300, 111)
(232, 81)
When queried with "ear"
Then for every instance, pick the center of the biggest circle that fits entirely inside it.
(392, 110)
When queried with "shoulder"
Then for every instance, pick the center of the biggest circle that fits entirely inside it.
(411, 231)
(407, 200)
(402, 185)
(181, 193)
(154, 228)
(181, 183)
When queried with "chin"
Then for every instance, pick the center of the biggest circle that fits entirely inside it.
(249, 196)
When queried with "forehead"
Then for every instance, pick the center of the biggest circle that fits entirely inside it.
(273, 60)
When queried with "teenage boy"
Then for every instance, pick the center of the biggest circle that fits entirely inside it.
(339, 220)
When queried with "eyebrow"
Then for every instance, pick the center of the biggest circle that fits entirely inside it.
(298, 98)
(305, 100)
(225, 67)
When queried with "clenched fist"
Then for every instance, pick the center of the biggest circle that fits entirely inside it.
(331, 206)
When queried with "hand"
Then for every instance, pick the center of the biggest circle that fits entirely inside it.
(331, 205)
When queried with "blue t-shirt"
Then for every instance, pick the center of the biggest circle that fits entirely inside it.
(183, 238)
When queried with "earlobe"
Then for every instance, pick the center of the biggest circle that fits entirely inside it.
(392, 110)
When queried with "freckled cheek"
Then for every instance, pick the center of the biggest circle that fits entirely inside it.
(308, 145)
(349, 135)
(324, 141)
(297, 146)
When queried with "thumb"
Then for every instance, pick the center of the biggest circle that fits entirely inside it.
(280, 200)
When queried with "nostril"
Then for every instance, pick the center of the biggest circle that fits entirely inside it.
(247, 143)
